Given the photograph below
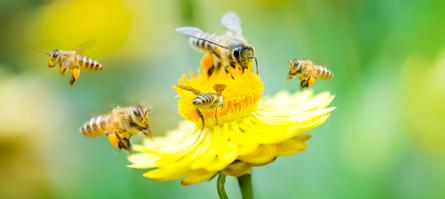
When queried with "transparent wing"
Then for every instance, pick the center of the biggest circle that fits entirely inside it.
(232, 22)
(197, 34)
(84, 46)
(189, 88)
(190, 31)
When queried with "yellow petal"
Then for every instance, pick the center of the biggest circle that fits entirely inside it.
(262, 155)
(196, 176)
(143, 160)
(239, 142)
(212, 140)
(226, 154)
(237, 169)
(171, 172)
(292, 146)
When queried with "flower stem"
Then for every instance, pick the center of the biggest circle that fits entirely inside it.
(220, 186)
(245, 184)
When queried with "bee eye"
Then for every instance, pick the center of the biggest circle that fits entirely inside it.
(136, 112)
(236, 52)
(54, 55)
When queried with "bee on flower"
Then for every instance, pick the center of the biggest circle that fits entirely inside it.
(251, 130)
(207, 101)
(230, 49)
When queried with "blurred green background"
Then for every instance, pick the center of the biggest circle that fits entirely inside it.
(386, 139)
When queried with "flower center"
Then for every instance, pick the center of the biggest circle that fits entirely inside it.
(241, 95)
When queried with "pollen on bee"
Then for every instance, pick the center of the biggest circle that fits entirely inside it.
(311, 81)
(207, 61)
(113, 140)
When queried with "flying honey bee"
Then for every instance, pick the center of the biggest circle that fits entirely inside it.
(71, 60)
(229, 49)
(119, 125)
(207, 101)
(307, 71)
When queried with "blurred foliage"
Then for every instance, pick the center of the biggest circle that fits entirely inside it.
(385, 139)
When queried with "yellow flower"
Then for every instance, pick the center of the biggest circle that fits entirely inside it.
(249, 131)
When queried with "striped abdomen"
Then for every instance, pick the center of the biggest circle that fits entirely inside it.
(205, 100)
(96, 126)
(203, 43)
(88, 64)
(321, 72)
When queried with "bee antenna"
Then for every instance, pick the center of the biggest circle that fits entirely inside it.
(188, 88)
(44, 52)
(225, 47)
(256, 64)
(212, 42)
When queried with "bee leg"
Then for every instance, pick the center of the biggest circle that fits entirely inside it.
(208, 64)
(229, 71)
(304, 83)
(123, 143)
(62, 69)
(214, 67)
(289, 77)
(75, 75)
(216, 115)
(256, 65)
(210, 70)
(202, 119)
(72, 80)
(307, 82)
(311, 81)
(147, 132)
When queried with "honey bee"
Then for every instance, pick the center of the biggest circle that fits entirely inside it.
(229, 49)
(119, 125)
(71, 60)
(207, 101)
(307, 71)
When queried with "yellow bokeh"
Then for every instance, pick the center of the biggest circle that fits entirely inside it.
(424, 95)
(68, 24)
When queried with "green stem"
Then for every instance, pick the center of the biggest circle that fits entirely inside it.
(220, 186)
(245, 184)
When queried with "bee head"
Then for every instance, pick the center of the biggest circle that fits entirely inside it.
(244, 55)
(139, 116)
(54, 57)
(294, 68)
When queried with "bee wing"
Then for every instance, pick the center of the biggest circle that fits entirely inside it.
(197, 34)
(232, 23)
(84, 46)
(189, 88)
(95, 114)
(190, 31)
